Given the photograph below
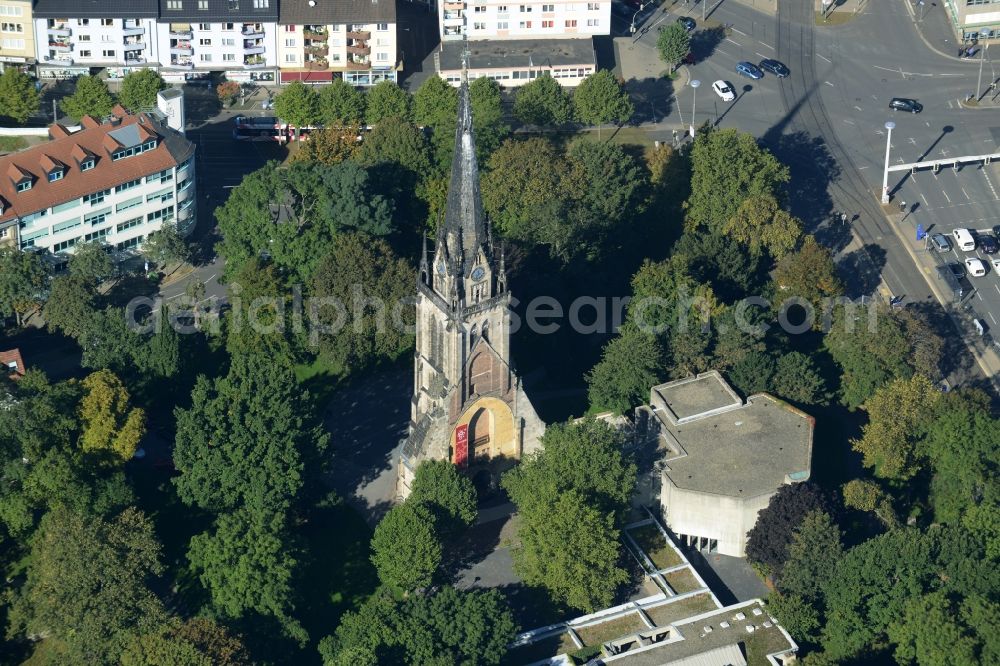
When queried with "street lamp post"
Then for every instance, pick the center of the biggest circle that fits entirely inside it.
(920, 3)
(983, 34)
(632, 27)
(889, 125)
(694, 103)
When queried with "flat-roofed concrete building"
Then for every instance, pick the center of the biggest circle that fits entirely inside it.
(970, 18)
(722, 458)
(516, 62)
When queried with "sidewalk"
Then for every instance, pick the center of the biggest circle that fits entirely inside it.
(935, 28)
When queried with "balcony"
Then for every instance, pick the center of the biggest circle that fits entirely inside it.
(181, 49)
(319, 63)
(134, 60)
(182, 64)
(64, 61)
(354, 34)
(60, 31)
(135, 46)
(318, 35)
(184, 193)
(316, 49)
(253, 31)
(350, 64)
(453, 18)
(254, 62)
(133, 30)
(251, 47)
(359, 49)
(454, 5)
(59, 46)
(181, 34)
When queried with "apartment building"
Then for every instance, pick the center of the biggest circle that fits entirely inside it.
(74, 37)
(114, 182)
(974, 19)
(319, 40)
(17, 34)
(235, 37)
(515, 43)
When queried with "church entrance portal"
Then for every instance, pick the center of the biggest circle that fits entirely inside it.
(480, 436)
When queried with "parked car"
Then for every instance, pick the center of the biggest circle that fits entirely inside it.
(941, 243)
(988, 244)
(724, 90)
(775, 67)
(956, 270)
(687, 22)
(965, 240)
(996, 231)
(749, 70)
(905, 104)
(996, 265)
(976, 267)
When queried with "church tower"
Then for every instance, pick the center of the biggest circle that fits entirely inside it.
(468, 406)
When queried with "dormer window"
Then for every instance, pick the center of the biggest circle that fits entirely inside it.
(24, 185)
(55, 174)
(87, 165)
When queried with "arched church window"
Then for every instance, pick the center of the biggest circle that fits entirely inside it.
(472, 337)
(486, 331)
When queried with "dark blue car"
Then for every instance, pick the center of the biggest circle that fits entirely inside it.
(749, 70)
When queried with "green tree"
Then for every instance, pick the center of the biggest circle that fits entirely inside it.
(448, 493)
(543, 102)
(435, 103)
(18, 97)
(599, 99)
(246, 439)
(753, 372)
(166, 245)
(247, 566)
(895, 412)
(728, 167)
(70, 306)
(109, 421)
(797, 378)
(809, 273)
(631, 364)
(813, 554)
(760, 225)
(22, 282)
(406, 550)
(524, 191)
(936, 630)
(768, 542)
(871, 348)
(487, 115)
(799, 617)
(617, 185)
(396, 143)
(572, 550)
(330, 145)
(298, 104)
(139, 88)
(91, 263)
(86, 587)
(195, 642)
(340, 105)
(90, 97)
(673, 44)
(387, 100)
(373, 288)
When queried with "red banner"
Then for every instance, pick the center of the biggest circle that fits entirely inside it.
(462, 445)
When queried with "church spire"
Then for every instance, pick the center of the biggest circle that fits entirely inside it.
(464, 226)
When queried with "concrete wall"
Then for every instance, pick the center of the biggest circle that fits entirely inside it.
(723, 518)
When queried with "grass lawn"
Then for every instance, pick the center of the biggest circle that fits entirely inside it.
(626, 136)
(320, 378)
(597, 634)
(542, 649)
(682, 581)
(678, 610)
(761, 643)
(652, 541)
(9, 144)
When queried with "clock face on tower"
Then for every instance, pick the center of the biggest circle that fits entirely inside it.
(441, 268)
(478, 274)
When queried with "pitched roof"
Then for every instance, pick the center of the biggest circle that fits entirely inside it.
(11, 359)
(227, 11)
(95, 8)
(171, 150)
(336, 12)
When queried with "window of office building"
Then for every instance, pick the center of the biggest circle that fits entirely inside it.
(548, 8)
(228, 57)
(174, 5)
(129, 203)
(502, 25)
(162, 214)
(480, 9)
(160, 197)
(571, 23)
(203, 5)
(98, 217)
(162, 177)
(85, 54)
(525, 8)
(83, 38)
(65, 245)
(129, 185)
(108, 53)
(204, 27)
(593, 23)
(204, 42)
(97, 235)
(478, 26)
(525, 25)
(382, 27)
(107, 22)
(11, 27)
(261, 4)
(205, 57)
(291, 57)
(289, 42)
(228, 27)
(385, 56)
(66, 224)
(128, 224)
(593, 6)
(228, 41)
(95, 198)
(69, 205)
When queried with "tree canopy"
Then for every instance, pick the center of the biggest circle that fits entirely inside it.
(406, 549)
(448, 493)
(599, 99)
(543, 102)
(19, 99)
(673, 43)
(90, 97)
(109, 422)
(387, 100)
(769, 541)
(139, 88)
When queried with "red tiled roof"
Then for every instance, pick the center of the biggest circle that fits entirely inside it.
(57, 131)
(75, 183)
(13, 355)
(89, 122)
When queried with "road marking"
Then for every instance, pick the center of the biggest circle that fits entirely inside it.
(760, 54)
(848, 121)
(767, 45)
(990, 183)
(965, 193)
(992, 317)
(829, 84)
(949, 104)
(862, 167)
(857, 108)
(978, 295)
(732, 42)
(946, 196)
(820, 56)
(912, 141)
(997, 288)
(741, 32)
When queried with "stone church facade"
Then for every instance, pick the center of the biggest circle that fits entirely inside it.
(468, 404)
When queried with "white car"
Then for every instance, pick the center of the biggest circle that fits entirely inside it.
(976, 267)
(996, 266)
(724, 90)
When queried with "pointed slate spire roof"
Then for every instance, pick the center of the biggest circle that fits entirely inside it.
(464, 226)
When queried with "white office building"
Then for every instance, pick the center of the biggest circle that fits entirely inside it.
(115, 183)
